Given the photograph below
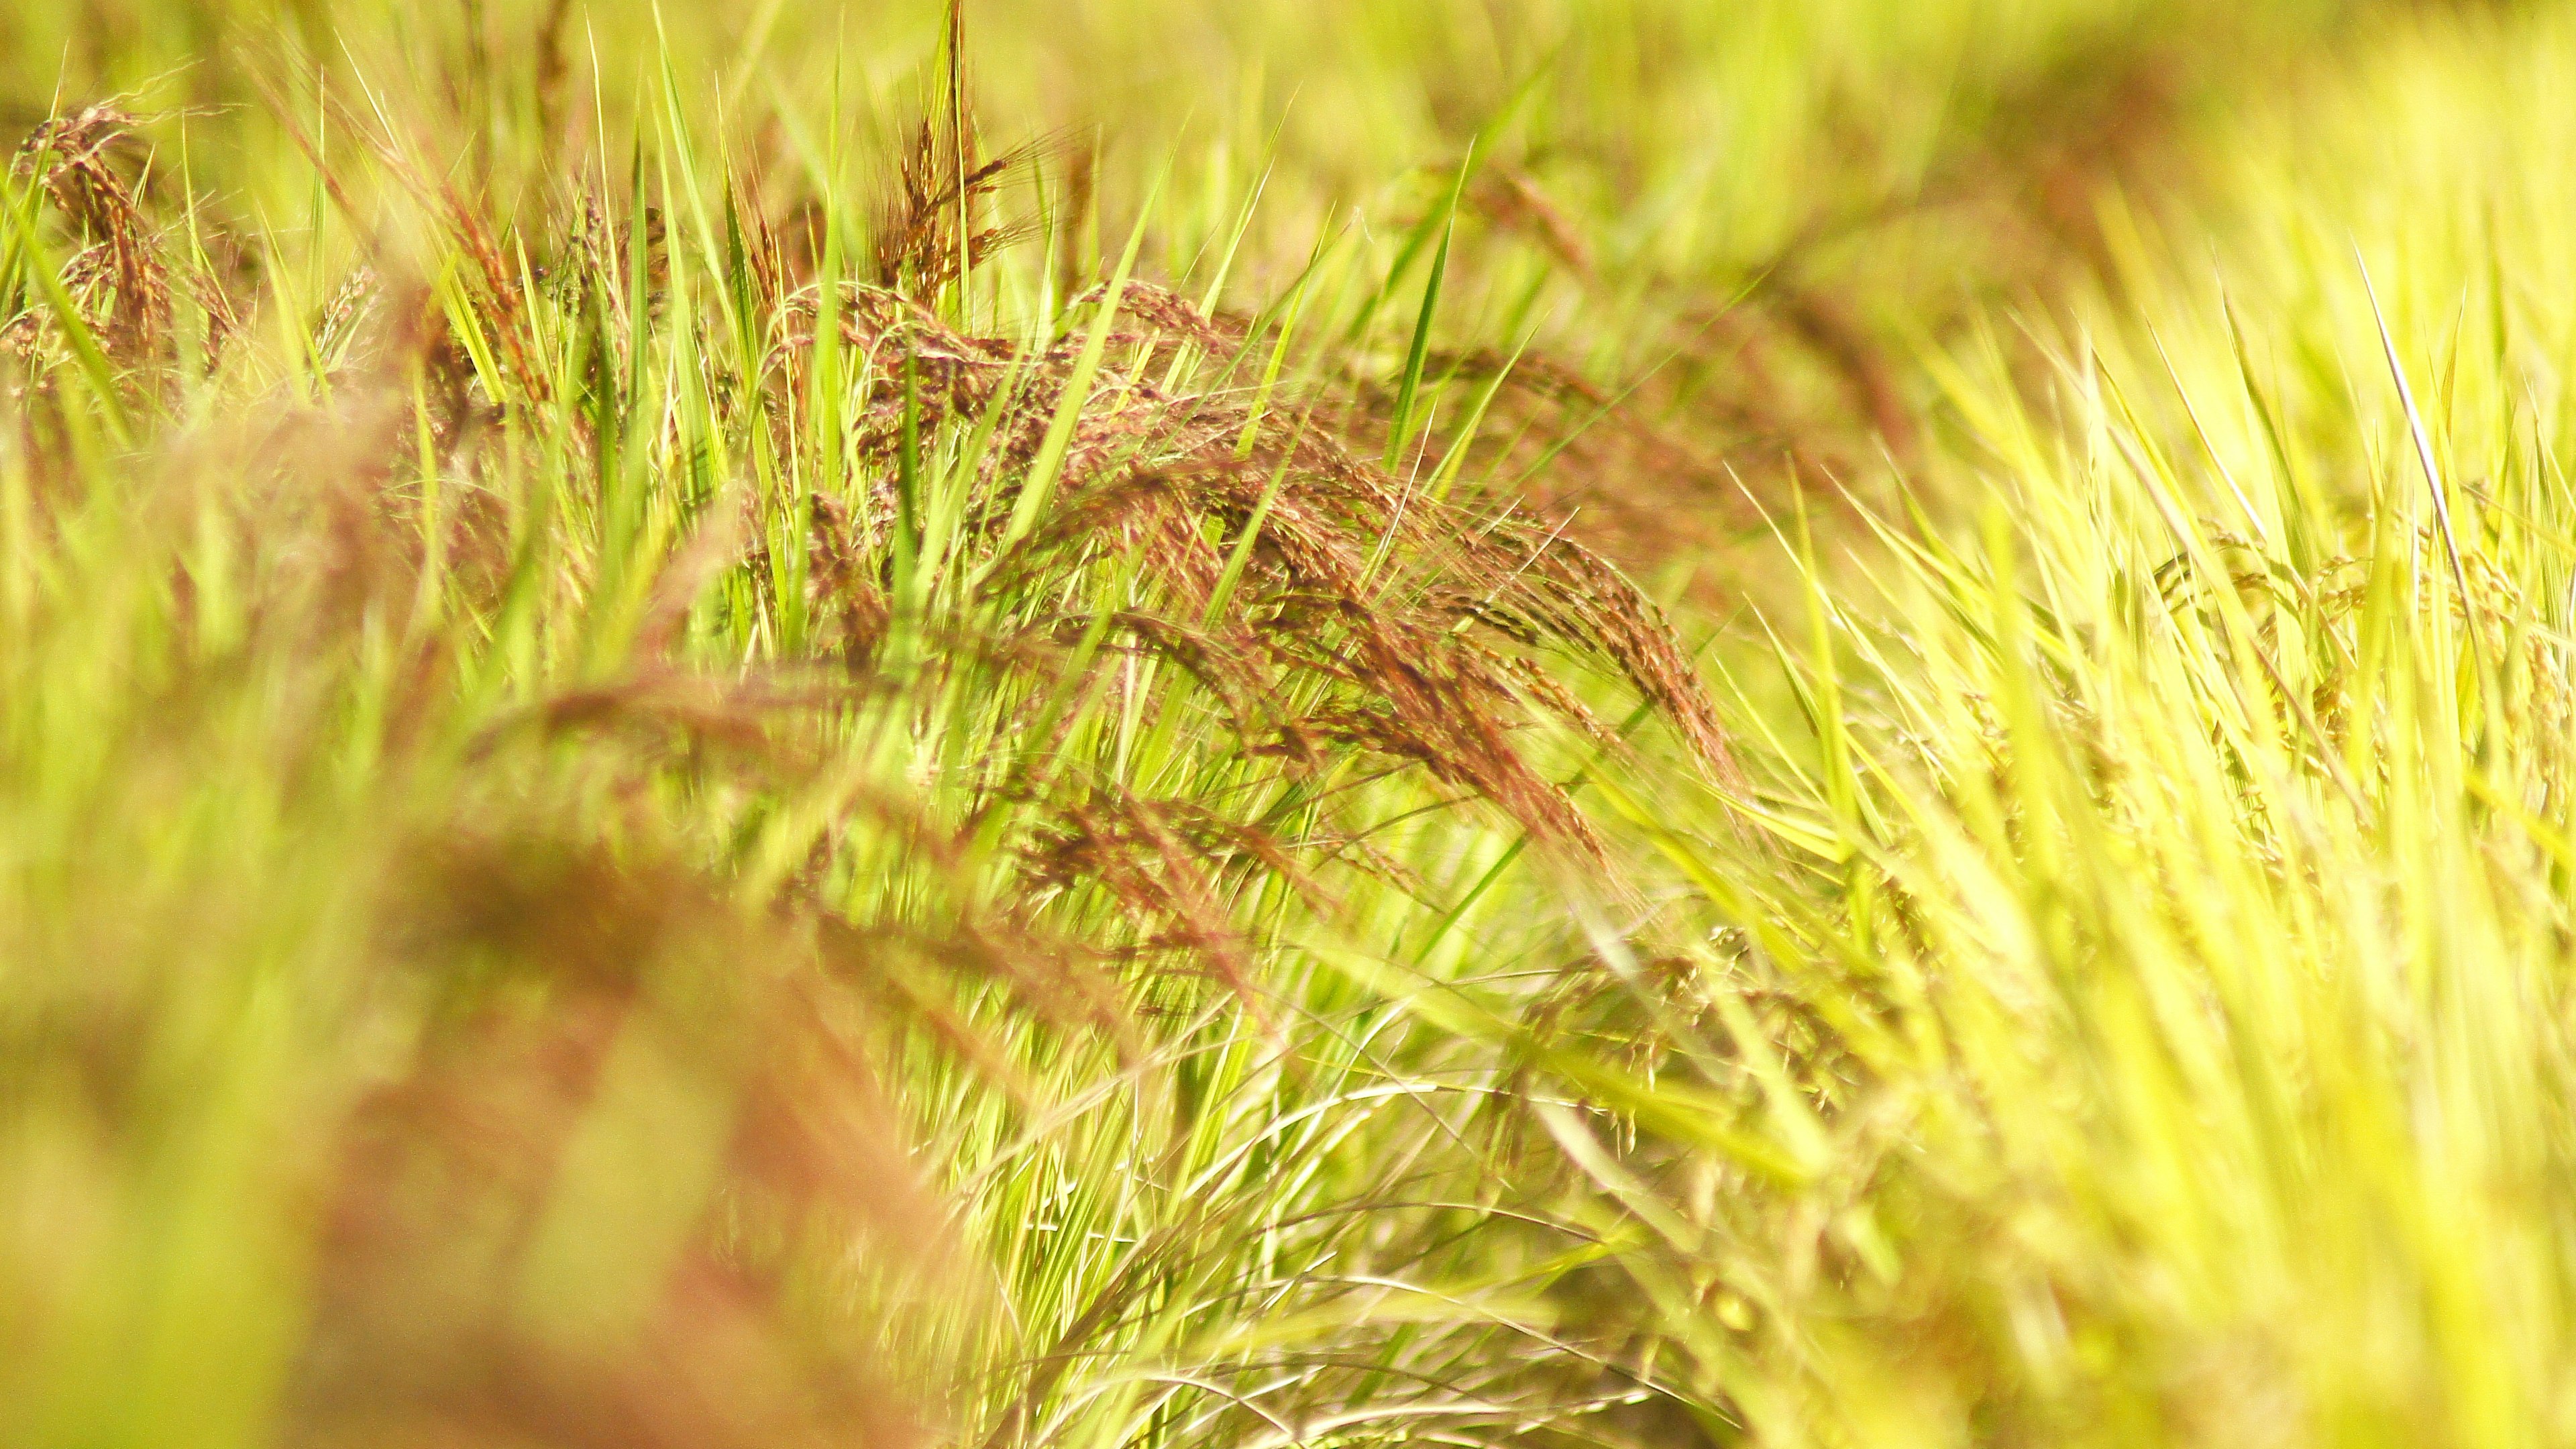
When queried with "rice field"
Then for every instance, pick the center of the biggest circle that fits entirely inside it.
(1553, 723)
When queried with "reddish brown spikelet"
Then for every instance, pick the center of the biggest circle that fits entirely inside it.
(70, 156)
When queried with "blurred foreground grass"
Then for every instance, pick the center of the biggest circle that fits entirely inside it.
(714, 732)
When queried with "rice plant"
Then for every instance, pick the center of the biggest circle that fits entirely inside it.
(1633, 723)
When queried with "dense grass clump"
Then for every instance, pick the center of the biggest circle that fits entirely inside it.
(1641, 724)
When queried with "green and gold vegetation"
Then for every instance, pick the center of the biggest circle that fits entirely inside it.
(1273, 725)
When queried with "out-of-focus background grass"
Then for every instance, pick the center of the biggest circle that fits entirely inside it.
(1147, 724)
(1748, 217)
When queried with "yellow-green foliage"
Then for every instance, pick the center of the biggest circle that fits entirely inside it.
(666, 780)
(2185, 958)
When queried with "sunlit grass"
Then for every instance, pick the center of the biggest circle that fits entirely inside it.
(677, 767)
